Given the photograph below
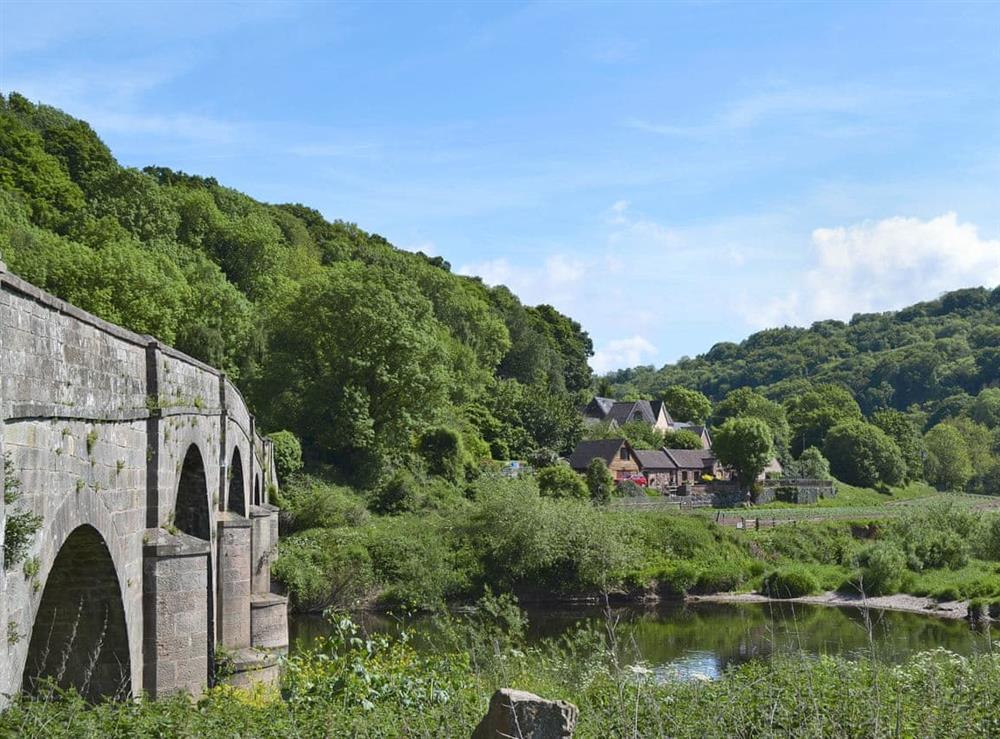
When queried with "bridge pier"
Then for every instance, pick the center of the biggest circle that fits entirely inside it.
(234, 563)
(176, 638)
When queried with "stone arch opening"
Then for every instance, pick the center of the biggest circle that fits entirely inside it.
(256, 490)
(80, 638)
(191, 513)
(236, 502)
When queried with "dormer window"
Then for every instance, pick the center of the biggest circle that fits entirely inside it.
(623, 454)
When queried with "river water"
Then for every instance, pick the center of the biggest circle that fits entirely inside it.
(699, 640)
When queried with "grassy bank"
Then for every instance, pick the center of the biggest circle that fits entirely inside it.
(443, 544)
(380, 687)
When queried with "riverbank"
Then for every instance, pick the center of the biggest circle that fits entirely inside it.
(896, 602)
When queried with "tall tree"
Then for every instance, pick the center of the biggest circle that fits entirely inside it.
(745, 445)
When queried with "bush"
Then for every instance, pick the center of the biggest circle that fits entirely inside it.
(883, 566)
(444, 453)
(629, 489)
(792, 582)
(559, 481)
(940, 536)
(287, 454)
(811, 465)
(404, 492)
(600, 483)
(524, 542)
(323, 568)
(309, 503)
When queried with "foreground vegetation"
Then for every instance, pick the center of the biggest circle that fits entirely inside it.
(375, 686)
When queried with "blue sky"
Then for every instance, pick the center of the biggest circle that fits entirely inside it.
(671, 175)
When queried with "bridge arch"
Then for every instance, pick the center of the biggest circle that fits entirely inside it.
(191, 509)
(80, 637)
(236, 502)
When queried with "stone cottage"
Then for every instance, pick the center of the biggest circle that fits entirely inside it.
(617, 454)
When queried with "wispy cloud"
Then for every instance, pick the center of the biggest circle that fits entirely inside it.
(832, 111)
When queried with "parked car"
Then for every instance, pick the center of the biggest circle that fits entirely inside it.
(638, 478)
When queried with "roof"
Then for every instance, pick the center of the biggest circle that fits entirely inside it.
(691, 459)
(654, 459)
(598, 407)
(591, 449)
(656, 406)
(624, 411)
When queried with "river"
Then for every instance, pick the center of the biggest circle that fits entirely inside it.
(699, 640)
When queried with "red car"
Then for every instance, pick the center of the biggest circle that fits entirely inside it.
(638, 479)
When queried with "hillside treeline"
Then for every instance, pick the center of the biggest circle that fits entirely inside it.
(376, 357)
(931, 354)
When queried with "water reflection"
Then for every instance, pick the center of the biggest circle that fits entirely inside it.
(700, 640)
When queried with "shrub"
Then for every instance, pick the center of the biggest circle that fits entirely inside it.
(630, 489)
(677, 578)
(811, 465)
(559, 481)
(323, 568)
(444, 453)
(600, 483)
(522, 541)
(792, 582)
(20, 526)
(882, 569)
(309, 503)
(287, 454)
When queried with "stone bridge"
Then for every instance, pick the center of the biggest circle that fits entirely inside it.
(151, 569)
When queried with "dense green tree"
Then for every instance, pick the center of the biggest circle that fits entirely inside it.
(948, 465)
(686, 405)
(904, 429)
(863, 454)
(393, 342)
(745, 445)
(812, 414)
(357, 368)
(986, 408)
(559, 481)
(682, 439)
(746, 403)
(978, 441)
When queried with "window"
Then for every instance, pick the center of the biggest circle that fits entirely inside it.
(623, 454)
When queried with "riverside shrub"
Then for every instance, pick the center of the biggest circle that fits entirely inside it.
(791, 582)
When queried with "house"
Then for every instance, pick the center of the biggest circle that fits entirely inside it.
(773, 469)
(617, 413)
(668, 468)
(617, 454)
(659, 469)
(696, 429)
(691, 465)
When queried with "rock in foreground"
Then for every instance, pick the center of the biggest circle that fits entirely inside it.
(521, 715)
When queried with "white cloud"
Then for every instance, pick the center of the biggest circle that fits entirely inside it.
(555, 280)
(882, 265)
(622, 353)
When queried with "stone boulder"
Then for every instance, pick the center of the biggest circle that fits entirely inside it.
(515, 714)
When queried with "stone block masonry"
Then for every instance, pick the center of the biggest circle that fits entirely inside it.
(143, 463)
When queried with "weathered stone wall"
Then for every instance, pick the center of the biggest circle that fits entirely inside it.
(99, 422)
